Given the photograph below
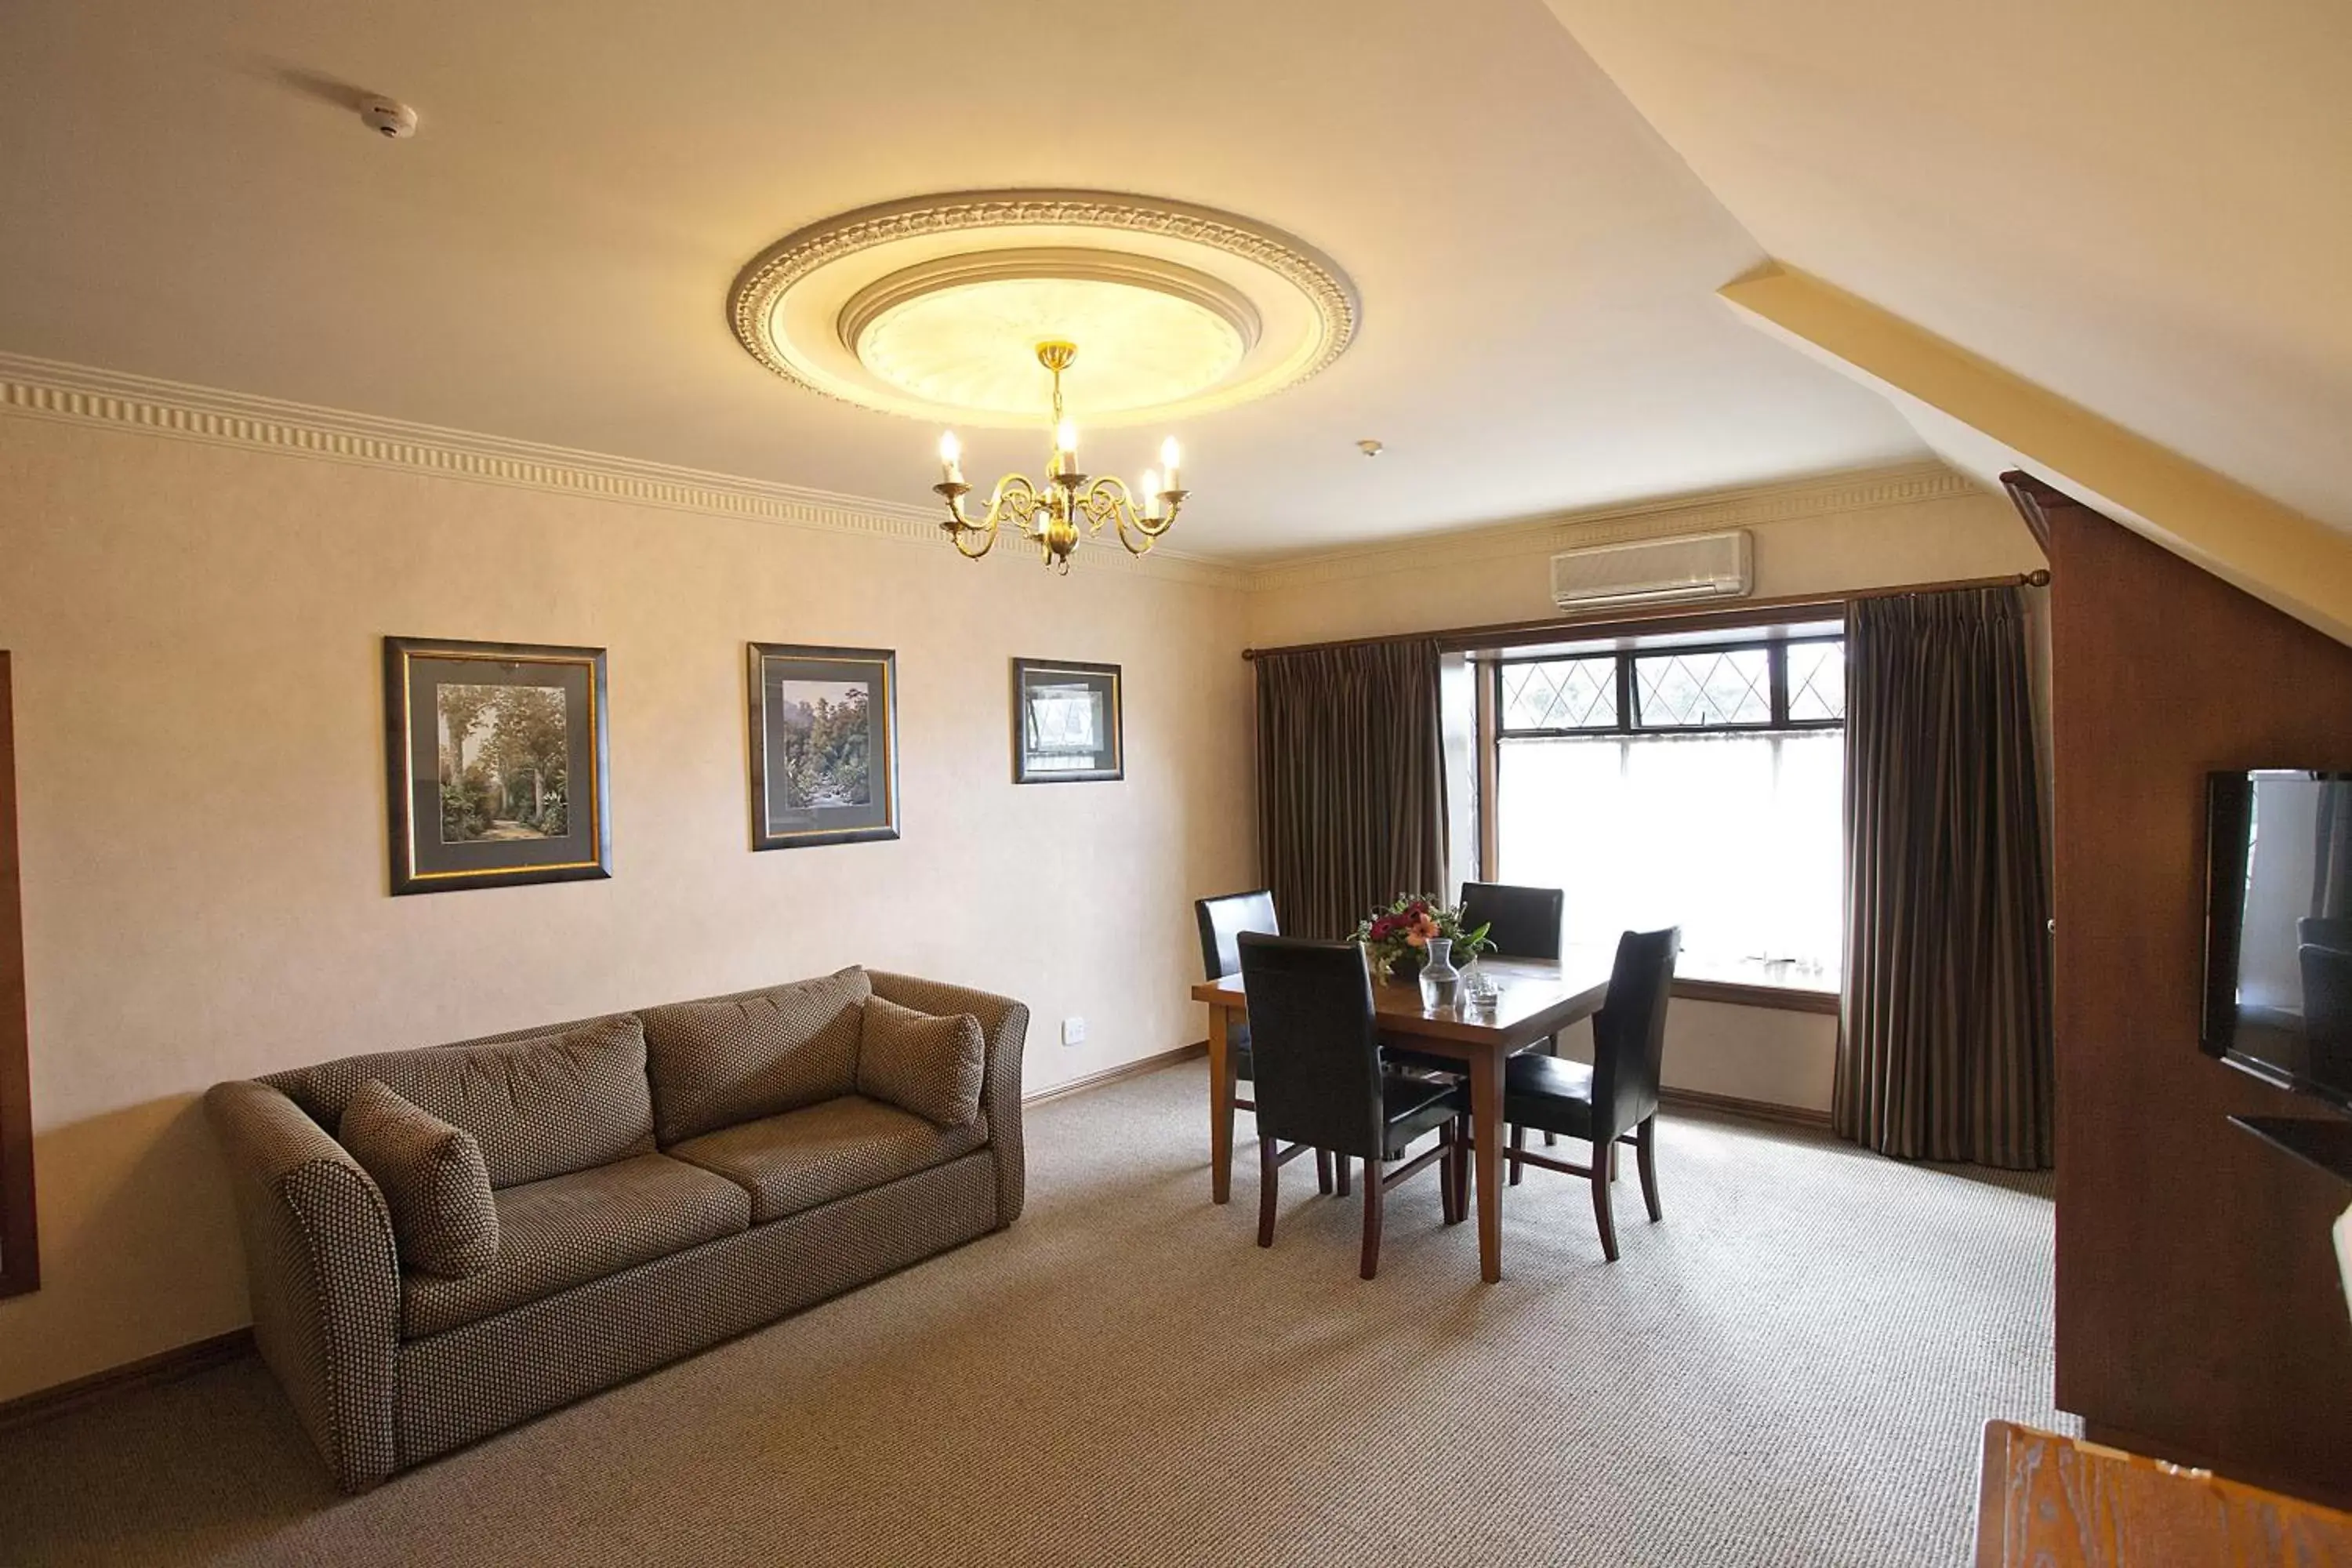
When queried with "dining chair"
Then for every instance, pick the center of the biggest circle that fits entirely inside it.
(1321, 1083)
(1222, 921)
(1614, 1100)
(1522, 922)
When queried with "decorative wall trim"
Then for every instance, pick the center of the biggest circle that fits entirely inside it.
(1118, 1074)
(146, 1372)
(83, 394)
(1803, 1116)
(1748, 507)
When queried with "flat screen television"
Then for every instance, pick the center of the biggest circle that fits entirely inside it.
(2278, 928)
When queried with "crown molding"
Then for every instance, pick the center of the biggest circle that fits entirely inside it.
(83, 394)
(1755, 505)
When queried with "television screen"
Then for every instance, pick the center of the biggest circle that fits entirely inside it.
(2278, 928)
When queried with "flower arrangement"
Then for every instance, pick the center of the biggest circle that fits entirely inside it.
(1396, 939)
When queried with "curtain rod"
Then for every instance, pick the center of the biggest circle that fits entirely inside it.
(1745, 612)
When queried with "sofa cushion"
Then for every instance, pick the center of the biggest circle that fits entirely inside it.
(734, 1059)
(540, 1105)
(921, 1062)
(568, 1230)
(821, 1152)
(444, 1220)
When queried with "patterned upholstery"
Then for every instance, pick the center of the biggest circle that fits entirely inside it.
(1005, 1022)
(734, 1059)
(541, 1105)
(321, 1259)
(821, 1152)
(568, 1230)
(928, 1065)
(432, 1177)
(459, 1387)
(318, 1258)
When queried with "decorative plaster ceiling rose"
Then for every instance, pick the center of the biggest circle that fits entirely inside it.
(933, 307)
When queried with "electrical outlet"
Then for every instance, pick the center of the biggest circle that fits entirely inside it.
(1074, 1031)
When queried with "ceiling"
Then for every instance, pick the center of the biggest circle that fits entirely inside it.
(2142, 205)
(190, 194)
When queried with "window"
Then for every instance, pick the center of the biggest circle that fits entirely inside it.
(1682, 780)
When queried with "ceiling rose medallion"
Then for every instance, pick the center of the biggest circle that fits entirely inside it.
(999, 309)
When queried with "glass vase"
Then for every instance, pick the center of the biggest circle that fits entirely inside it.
(1441, 983)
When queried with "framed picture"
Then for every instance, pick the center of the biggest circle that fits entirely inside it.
(825, 745)
(497, 761)
(1066, 722)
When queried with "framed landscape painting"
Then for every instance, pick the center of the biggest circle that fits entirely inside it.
(498, 766)
(1067, 727)
(825, 745)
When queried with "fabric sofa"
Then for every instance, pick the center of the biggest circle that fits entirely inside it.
(662, 1180)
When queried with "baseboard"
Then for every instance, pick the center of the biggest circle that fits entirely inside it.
(147, 1371)
(1118, 1074)
(1753, 1110)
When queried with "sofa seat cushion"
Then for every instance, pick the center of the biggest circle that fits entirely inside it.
(541, 1104)
(758, 1053)
(821, 1152)
(571, 1230)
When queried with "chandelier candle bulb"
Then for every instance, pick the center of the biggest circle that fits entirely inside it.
(950, 458)
(1149, 491)
(1169, 453)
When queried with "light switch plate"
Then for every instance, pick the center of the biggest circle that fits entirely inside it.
(1074, 1031)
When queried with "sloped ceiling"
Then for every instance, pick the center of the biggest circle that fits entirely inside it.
(2143, 206)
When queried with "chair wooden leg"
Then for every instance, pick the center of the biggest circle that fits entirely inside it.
(1449, 1196)
(1645, 1159)
(1462, 1165)
(1601, 1212)
(1269, 1184)
(1550, 1049)
(1345, 1164)
(1373, 1194)
(1612, 1159)
(1519, 1142)
(1323, 1172)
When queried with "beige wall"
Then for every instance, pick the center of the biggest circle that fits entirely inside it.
(1860, 535)
(196, 632)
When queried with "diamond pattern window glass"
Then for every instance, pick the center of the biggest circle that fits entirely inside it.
(1701, 688)
(1561, 694)
(1816, 682)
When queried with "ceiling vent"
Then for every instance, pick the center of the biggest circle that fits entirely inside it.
(1654, 572)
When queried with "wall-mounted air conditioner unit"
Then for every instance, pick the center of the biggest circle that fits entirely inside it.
(1654, 572)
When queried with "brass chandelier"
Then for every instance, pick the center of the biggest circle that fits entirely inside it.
(1049, 516)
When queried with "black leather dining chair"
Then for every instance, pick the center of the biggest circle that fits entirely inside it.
(1222, 921)
(1616, 1098)
(1522, 922)
(1321, 1083)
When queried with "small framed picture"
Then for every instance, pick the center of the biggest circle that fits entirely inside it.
(498, 765)
(825, 745)
(1066, 722)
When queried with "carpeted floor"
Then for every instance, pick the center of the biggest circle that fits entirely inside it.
(1794, 1368)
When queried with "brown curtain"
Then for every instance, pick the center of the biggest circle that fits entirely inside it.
(1350, 780)
(1945, 1049)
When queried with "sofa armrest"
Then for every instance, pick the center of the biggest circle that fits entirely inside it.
(1005, 1025)
(324, 1276)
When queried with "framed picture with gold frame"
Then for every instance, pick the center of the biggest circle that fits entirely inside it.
(498, 765)
(825, 745)
(1066, 724)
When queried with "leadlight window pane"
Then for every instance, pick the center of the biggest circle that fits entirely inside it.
(1701, 688)
(1816, 681)
(1561, 694)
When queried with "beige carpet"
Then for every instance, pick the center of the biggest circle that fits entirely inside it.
(1794, 1368)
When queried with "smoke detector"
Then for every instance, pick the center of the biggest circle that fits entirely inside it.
(389, 119)
(1369, 448)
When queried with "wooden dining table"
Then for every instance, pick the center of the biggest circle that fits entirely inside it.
(1535, 999)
